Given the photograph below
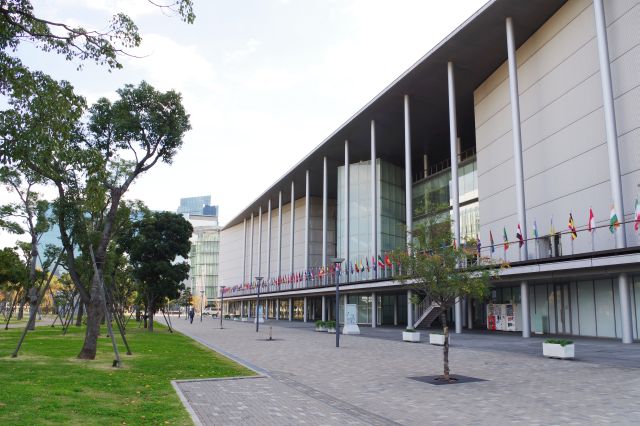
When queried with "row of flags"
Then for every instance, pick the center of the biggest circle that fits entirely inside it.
(614, 224)
(357, 267)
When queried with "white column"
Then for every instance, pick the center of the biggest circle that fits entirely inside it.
(244, 253)
(290, 309)
(346, 211)
(251, 253)
(407, 170)
(374, 209)
(279, 233)
(269, 239)
(517, 134)
(324, 308)
(395, 310)
(374, 310)
(277, 309)
(304, 310)
(524, 303)
(409, 310)
(259, 242)
(610, 120)
(324, 218)
(614, 162)
(307, 210)
(293, 225)
(455, 193)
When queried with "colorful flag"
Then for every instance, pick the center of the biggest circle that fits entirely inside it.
(535, 229)
(387, 260)
(506, 239)
(572, 228)
(637, 220)
(368, 265)
(380, 261)
(493, 245)
(592, 221)
(519, 236)
(613, 221)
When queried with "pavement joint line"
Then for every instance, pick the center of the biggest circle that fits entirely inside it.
(215, 379)
(185, 403)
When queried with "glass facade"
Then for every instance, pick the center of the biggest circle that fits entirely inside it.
(580, 308)
(436, 190)
(391, 210)
(197, 206)
(204, 258)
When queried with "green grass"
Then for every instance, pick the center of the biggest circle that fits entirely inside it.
(47, 384)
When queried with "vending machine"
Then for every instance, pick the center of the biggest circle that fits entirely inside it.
(504, 317)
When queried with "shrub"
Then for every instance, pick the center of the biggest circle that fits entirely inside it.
(330, 324)
(411, 330)
(320, 324)
(561, 342)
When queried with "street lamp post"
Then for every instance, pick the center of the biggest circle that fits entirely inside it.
(201, 303)
(258, 281)
(337, 261)
(221, 305)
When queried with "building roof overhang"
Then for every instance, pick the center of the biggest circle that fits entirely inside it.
(477, 48)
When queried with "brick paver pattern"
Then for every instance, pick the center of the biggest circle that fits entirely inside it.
(367, 381)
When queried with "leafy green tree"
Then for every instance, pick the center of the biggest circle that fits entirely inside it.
(438, 270)
(154, 246)
(13, 275)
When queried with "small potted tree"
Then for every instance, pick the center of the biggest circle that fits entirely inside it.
(331, 326)
(559, 348)
(321, 326)
(411, 335)
(437, 339)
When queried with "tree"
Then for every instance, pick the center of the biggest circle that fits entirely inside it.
(13, 275)
(153, 247)
(436, 268)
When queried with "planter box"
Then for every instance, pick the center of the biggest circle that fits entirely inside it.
(321, 328)
(244, 319)
(331, 330)
(554, 350)
(409, 336)
(437, 339)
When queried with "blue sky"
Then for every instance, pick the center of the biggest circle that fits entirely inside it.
(265, 81)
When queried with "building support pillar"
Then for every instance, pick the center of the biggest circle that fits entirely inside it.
(409, 310)
(374, 310)
(346, 212)
(307, 211)
(374, 202)
(408, 182)
(277, 309)
(455, 193)
(244, 252)
(304, 309)
(293, 226)
(290, 309)
(251, 252)
(524, 303)
(279, 235)
(610, 121)
(395, 310)
(324, 308)
(269, 241)
(625, 308)
(259, 241)
(324, 225)
(517, 136)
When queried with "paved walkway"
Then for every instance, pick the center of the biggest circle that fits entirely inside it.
(368, 380)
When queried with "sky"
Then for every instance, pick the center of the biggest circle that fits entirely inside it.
(264, 81)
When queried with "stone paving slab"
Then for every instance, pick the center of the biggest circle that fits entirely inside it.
(370, 379)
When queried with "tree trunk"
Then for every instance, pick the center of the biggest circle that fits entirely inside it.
(137, 313)
(33, 307)
(445, 348)
(150, 329)
(80, 313)
(94, 317)
(21, 308)
(150, 309)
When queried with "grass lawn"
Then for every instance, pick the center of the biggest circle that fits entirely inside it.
(47, 384)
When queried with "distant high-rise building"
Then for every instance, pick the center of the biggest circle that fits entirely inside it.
(205, 246)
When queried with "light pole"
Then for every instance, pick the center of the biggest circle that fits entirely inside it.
(337, 261)
(201, 303)
(258, 281)
(221, 305)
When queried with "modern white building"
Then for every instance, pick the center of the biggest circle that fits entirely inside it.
(533, 107)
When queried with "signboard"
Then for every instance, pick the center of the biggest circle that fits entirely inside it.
(351, 319)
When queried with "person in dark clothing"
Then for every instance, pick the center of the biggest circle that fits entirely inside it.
(192, 313)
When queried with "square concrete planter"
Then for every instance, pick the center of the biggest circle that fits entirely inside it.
(437, 339)
(556, 350)
(321, 328)
(411, 336)
(244, 319)
(331, 330)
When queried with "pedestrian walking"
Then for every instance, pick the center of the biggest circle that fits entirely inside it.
(192, 313)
